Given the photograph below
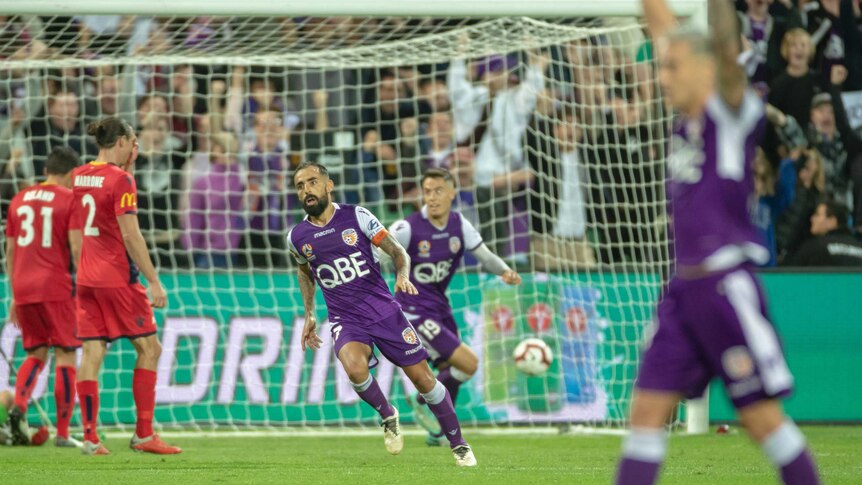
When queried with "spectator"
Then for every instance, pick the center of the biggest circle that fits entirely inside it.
(852, 36)
(267, 197)
(774, 195)
(623, 167)
(793, 226)
(157, 176)
(840, 145)
(558, 214)
(380, 132)
(63, 127)
(114, 96)
(215, 221)
(491, 117)
(792, 90)
(832, 245)
(263, 95)
(822, 18)
(433, 96)
(764, 33)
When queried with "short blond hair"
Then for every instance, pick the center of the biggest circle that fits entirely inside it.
(793, 34)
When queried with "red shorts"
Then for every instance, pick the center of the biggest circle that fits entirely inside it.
(48, 324)
(112, 313)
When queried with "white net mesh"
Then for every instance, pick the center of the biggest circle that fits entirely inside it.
(555, 131)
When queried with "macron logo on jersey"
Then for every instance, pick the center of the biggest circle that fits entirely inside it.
(94, 181)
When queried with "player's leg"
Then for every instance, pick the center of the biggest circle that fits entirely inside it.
(92, 355)
(441, 339)
(781, 441)
(36, 338)
(755, 374)
(440, 403)
(670, 369)
(65, 376)
(463, 363)
(645, 446)
(63, 329)
(354, 355)
(145, 440)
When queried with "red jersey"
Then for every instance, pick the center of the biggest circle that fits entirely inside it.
(40, 218)
(102, 193)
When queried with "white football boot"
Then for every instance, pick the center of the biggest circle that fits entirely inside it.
(464, 456)
(392, 437)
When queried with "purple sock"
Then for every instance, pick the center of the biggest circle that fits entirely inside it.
(370, 392)
(787, 451)
(635, 472)
(441, 405)
(450, 383)
(800, 471)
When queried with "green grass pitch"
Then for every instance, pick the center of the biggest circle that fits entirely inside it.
(558, 459)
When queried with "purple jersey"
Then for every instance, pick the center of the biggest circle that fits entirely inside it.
(435, 253)
(711, 185)
(345, 264)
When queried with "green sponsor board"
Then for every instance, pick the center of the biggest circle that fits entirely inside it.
(231, 352)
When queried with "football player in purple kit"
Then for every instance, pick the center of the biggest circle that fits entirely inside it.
(436, 238)
(334, 246)
(712, 319)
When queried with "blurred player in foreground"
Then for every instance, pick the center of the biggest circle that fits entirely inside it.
(112, 303)
(42, 240)
(712, 320)
(7, 437)
(334, 246)
(435, 239)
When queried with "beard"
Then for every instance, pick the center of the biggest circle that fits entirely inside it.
(321, 203)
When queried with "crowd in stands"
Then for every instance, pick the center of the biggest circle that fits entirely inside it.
(559, 153)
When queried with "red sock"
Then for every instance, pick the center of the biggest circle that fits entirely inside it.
(64, 398)
(144, 390)
(88, 394)
(28, 373)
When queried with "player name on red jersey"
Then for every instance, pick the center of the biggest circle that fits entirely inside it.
(89, 181)
(43, 195)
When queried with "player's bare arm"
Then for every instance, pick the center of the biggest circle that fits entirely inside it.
(137, 249)
(731, 77)
(310, 339)
(10, 263)
(401, 259)
(660, 19)
(495, 265)
(75, 242)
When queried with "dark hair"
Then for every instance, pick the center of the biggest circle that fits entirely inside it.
(837, 210)
(438, 173)
(309, 164)
(61, 161)
(107, 130)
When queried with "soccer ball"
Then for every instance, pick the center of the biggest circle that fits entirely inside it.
(533, 356)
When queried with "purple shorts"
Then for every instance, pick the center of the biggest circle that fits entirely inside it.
(716, 326)
(393, 336)
(438, 335)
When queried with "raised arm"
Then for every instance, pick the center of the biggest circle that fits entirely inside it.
(402, 264)
(660, 19)
(731, 78)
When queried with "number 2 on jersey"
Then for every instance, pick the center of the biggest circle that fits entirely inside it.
(28, 215)
(90, 204)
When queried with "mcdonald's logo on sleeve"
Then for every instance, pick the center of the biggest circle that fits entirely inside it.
(128, 199)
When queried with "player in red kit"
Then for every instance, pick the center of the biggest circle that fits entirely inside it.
(41, 239)
(112, 303)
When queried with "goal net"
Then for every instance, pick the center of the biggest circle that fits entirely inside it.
(554, 130)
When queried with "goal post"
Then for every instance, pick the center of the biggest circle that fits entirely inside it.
(228, 96)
